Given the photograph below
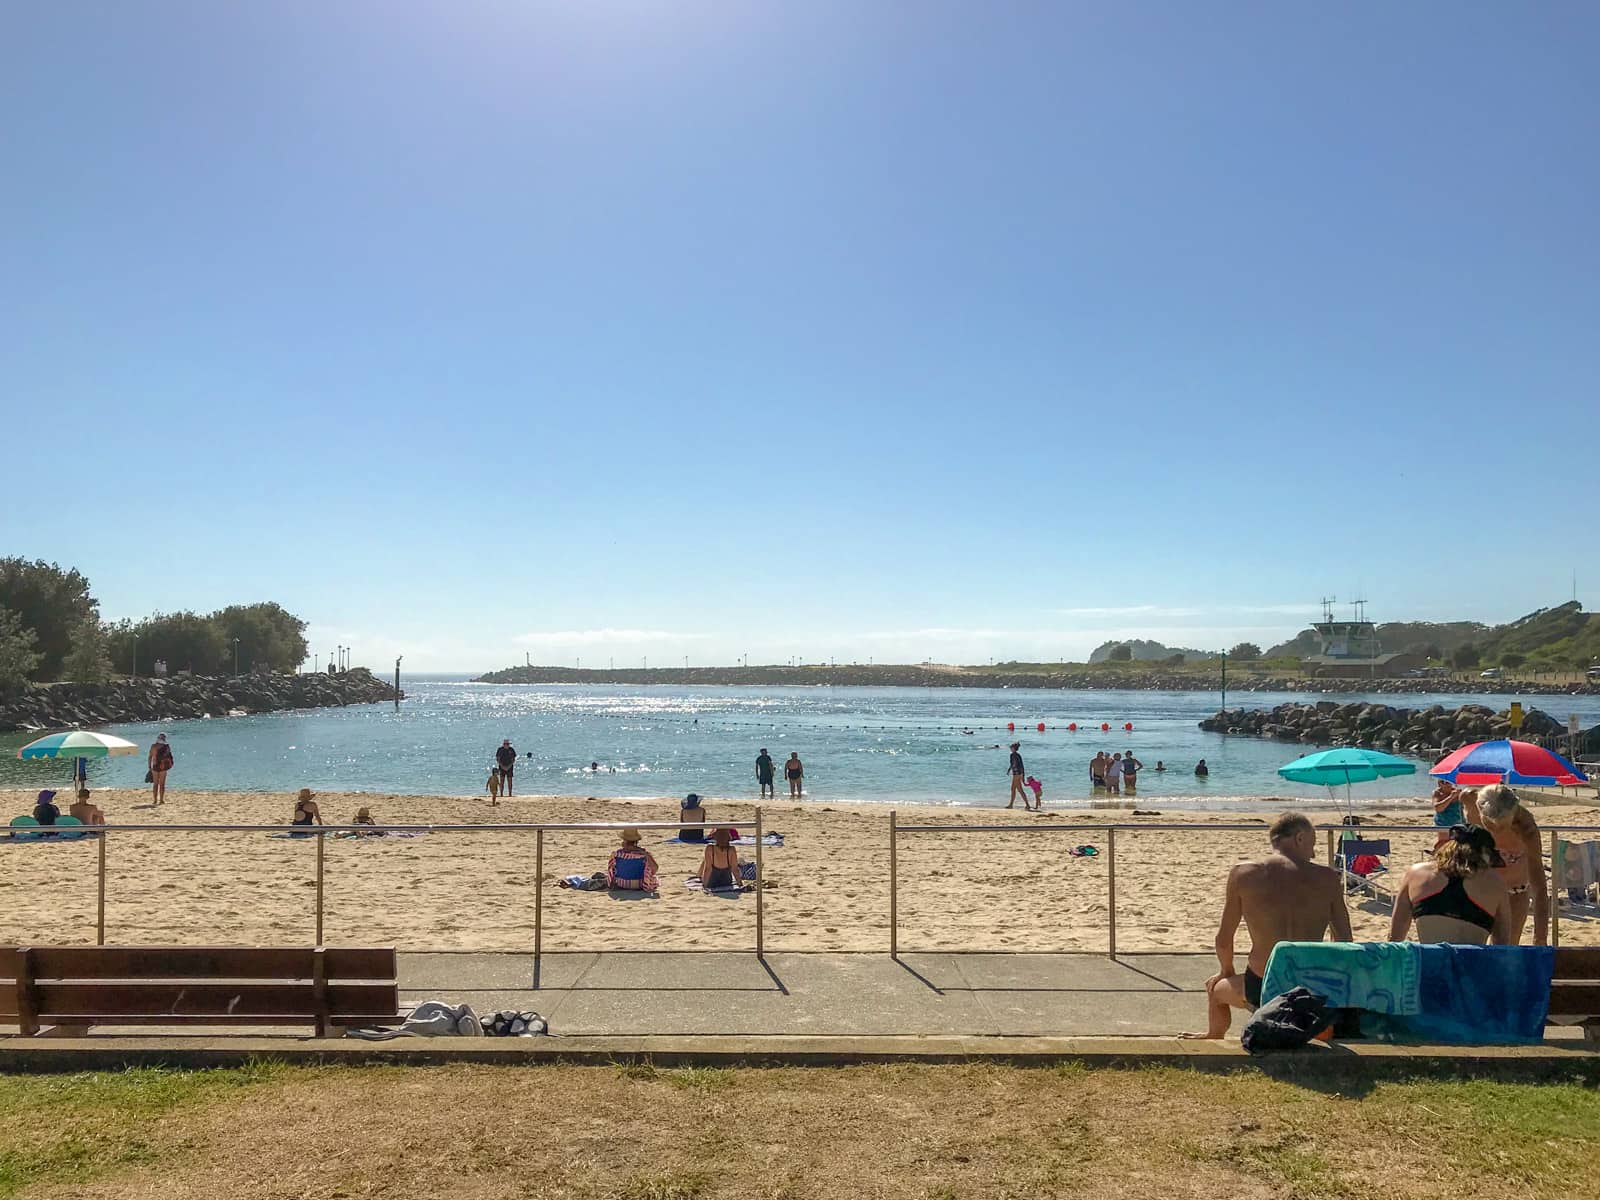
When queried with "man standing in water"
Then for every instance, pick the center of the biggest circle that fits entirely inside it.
(1284, 897)
(764, 771)
(506, 759)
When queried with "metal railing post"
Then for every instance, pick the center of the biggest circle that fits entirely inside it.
(1555, 893)
(321, 840)
(894, 888)
(538, 903)
(1330, 848)
(100, 896)
(1111, 886)
(761, 888)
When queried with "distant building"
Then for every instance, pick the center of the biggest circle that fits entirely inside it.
(1351, 650)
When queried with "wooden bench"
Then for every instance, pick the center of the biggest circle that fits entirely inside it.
(1575, 988)
(75, 987)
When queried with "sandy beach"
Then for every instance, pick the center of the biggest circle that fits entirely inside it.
(828, 883)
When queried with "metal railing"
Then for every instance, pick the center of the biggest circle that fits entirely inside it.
(103, 835)
(896, 830)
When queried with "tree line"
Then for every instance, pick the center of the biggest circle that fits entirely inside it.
(51, 629)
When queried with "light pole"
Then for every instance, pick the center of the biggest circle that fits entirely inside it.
(136, 656)
(397, 684)
(236, 657)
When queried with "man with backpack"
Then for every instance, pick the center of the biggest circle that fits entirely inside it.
(506, 759)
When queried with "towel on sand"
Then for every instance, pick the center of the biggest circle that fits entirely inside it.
(767, 839)
(1577, 864)
(1454, 995)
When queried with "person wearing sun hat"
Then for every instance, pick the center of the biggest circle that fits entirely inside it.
(631, 868)
(306, 811)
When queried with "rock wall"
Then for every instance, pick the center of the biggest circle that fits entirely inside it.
(84, 705)
(888, 675)
(1424, 731)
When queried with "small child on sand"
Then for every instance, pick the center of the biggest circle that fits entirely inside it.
(1038, 791)
(494, 785)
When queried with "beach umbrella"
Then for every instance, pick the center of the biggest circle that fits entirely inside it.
(1346, 765)
(1506, 761)
(79, 744)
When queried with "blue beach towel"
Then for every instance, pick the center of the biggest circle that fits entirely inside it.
(1450, 995)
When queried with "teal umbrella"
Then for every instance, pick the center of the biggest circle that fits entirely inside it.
(1346, 765)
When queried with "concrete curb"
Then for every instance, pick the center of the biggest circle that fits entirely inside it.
(1352, 1064)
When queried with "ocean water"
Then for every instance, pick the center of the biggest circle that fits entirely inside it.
(894, 745)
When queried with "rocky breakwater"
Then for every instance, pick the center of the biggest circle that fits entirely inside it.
(85, 705)
(1421, 731)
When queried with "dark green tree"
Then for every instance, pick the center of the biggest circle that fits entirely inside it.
(1123, 653)
(186, 641)
(89, 660)
(1513, 660)
(269, 636)
(18, 658)
(51, 602)
(1465, 657)
(1245, 652)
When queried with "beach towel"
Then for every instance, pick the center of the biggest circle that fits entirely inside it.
(1454, 995)
(1083, 852)
(767, 839)
(694, 885)
(1379, 977)
(584, 883)
(1577, 864)
(507, 1023)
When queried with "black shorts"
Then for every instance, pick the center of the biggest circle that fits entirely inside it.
(1252, 988)
(505, 772)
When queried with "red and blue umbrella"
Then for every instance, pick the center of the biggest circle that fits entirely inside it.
(1505, 761)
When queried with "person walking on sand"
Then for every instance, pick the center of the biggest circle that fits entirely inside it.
(160, 763)
(1284, 897)
(764, 770)
(1019, 778)
(795, 773)
(494, 784)
(506, 759)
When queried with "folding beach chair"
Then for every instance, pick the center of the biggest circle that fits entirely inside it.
(1361, 861)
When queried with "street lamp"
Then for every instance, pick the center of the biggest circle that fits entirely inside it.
(236, 656)
(135, 656)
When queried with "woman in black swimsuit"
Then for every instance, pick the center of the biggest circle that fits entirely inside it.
(795, 773)
(1457, 895)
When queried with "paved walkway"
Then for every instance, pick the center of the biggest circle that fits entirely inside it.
(814, 995)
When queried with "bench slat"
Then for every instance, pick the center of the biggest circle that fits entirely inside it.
(1577, 962)
(164, 999)
(1570, 999)
(208, 962)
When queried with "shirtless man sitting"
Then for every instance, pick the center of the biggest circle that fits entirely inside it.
(1285, 897)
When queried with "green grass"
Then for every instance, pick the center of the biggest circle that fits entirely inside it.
(71, 1128)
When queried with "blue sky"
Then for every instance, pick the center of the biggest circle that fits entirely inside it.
(469, 330)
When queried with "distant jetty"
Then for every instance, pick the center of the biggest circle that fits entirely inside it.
(177, 697)
(1420, 731)
(1097, 678)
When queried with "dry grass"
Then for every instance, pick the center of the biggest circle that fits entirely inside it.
(785, 1134)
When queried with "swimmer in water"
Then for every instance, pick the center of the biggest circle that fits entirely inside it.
(1160, 766)
(594, 766)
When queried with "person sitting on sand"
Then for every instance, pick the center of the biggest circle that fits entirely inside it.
(719, 868)
(631, 868)
(86, 810)
(1516, 836)
(494, 785)
(306, 811)
(363, 817)
(1455, 896)
(1285, 897)
(692, 810)
(45, 811)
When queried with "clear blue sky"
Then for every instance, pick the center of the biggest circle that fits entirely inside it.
(899, 330)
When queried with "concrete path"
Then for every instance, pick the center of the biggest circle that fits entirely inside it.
(826, 995)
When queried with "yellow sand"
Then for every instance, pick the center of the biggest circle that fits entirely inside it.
(829, 882)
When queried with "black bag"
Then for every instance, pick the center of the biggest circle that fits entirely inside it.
(149, 776)
(1286, 1022)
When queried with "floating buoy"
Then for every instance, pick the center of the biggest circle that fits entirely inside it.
(1128, 726)
(1105, 727)
(1011, 726)
(1073, 728)
(1041, 726)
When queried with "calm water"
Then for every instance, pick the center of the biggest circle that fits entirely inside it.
(888, 744)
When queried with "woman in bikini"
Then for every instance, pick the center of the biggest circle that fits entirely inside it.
(1456, 896)
(1516, 837)
(720, 866)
